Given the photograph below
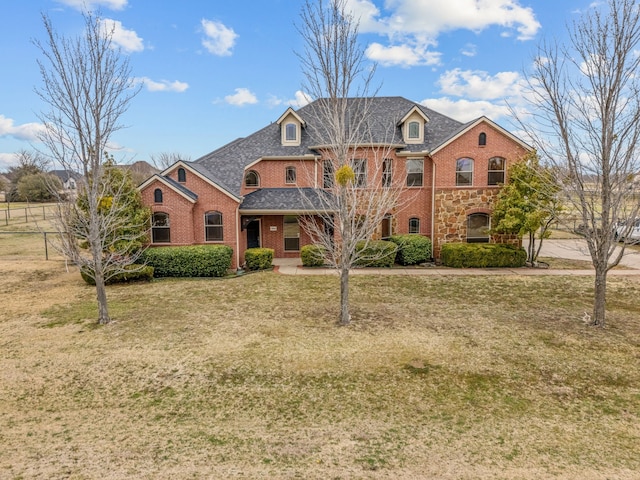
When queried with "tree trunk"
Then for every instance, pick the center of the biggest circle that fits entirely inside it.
(600, 296)
(101, 294)
(345, 318)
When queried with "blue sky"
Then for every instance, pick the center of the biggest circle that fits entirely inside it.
(213, 71)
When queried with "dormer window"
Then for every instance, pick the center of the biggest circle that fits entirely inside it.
(291, 132)
(414, 130)
(251, 179)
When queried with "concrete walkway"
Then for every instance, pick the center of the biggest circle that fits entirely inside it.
(574, 249)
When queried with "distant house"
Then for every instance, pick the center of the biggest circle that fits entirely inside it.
(139, 170)
(249, 192)
(69, 179)
(4, 187)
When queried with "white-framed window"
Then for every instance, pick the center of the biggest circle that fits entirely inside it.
(414, 130)
(360, 171)
(252, 179)
(495, 175)
(415, 171)
(291, 233)
(464, 172)
(387, 172)
(290, 132)
(160, 229)
(478, 227)
(414, 225)
(213, 229)
(290, 175)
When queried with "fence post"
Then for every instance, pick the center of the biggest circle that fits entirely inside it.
(46, 249)
(6, 217)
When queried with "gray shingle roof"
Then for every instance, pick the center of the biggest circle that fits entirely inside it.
(180, 187)
(284, 199)
(225, 166)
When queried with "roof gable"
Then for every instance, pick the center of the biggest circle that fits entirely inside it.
(172, 184)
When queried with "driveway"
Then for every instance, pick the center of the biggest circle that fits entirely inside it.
(576, 249)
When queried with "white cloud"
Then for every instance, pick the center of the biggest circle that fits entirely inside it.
(243, 96)
(26, 131)
(469, 50)
(301, 99)
(128, 40)
(401, 55)
(466, 110)
(219, 38)
(162, 85)
(8, 159)
(480, 85)
(92, 4)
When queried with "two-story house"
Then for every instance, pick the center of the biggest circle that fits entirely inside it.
(252, 191)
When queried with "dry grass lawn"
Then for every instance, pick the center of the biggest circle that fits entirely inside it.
(437, 378)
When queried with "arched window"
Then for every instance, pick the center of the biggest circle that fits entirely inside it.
(290, 175)
(482, 139)
(251, 179)
(157, 196)
(464, 172)
(478, 225)
(290, 132)
(160, 231)
(182, 175)
(414, 225)
(496, 171)
(213, 227)
(414, 130)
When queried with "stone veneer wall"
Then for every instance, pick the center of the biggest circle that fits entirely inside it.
(451, 210)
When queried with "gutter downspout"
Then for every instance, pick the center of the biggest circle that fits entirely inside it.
(433, 203)
(238, 233)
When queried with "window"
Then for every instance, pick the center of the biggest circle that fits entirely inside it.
(327, 174)
(414, 225)
(414, 130)
(157, 196)
(360, 171)
(482, 139)
(290, 132)
(182, 175)
(387, 172)
(496, 171)
(160, 231)
(213, 227)
(290, 176)
(478, 225)
(415, 169)
(464, 172)
(386, 227)
(251, 179)
(291, 231)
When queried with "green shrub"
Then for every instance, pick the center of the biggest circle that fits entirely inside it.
(132, 273)
(258, 258)
(191, 261)
(312, 256)
(482, 255)
(412, 248)
(377, 253)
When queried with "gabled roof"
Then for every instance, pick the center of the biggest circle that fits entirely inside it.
(290, 111)
(413, 110)
(172, 184)
(468, 126)
(205, 174)
(65, 175)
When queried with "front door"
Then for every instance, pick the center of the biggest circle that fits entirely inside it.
(253, 234)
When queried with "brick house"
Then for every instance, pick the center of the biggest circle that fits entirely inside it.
(251, 191)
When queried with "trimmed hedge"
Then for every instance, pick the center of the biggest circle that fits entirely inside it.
(482, 255)
(132, 273)
(258, 258)
(312, 256)
(377, 253)
(412, 248)
(190, 261)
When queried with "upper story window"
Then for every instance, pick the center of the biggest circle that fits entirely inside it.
(482, 139)
(414, 130)
(157, 196)
(327, 174)
(290, 176)
(496, 171)
(251, 179)
(464, 172)
(414, 225)
(182, 175)
(213, 227)
(360, 171)
(291, 132)
(415, 171)
(387, 172)
(160, 231)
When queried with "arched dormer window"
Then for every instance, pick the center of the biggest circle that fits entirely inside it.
(414, 130)
(482, 139)
(157, 196)
(291, 132)
(182, 175)
(251, 179)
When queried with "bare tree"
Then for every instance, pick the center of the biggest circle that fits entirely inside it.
(586, 123)
(87, 86)
(356, 198)
(164, 160)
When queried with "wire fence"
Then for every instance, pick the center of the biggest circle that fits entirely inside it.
(45, 244)
(26, 215)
